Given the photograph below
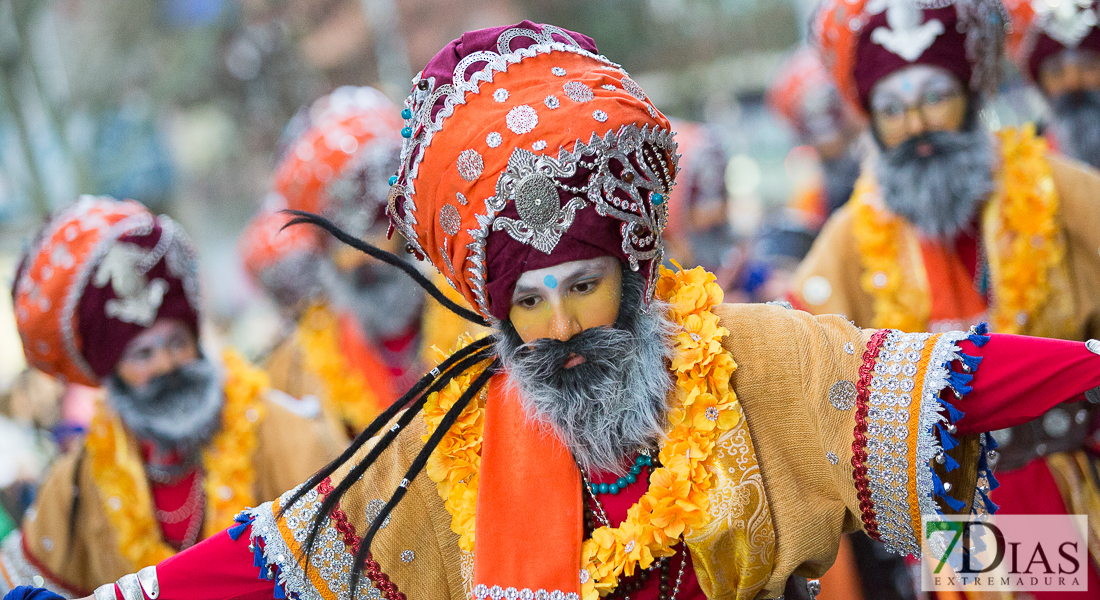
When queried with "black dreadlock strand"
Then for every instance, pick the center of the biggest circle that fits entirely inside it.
(437, 376)
(416, 468)
(386, 257)
(333, 498)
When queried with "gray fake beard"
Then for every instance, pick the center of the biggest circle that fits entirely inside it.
(1076, 125)
(386, 306)
(938, 194)
(178, 411)
(613, 404)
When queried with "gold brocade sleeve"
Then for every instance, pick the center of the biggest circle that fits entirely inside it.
(800, 382)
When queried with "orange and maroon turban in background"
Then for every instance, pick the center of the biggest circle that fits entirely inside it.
(99, 273)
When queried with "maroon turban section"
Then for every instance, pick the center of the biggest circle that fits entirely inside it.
(103, 339)
(874, 62)
(1046, 46)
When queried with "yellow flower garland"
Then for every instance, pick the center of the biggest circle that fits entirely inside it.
(227, 461)
(348, 395)
(1024, 222)
(677, 500)
(1023, 208)
(898, 304)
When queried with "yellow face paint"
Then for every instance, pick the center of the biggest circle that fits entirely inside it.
(584, 294)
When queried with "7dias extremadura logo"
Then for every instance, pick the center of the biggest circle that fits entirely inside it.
(1006, 553)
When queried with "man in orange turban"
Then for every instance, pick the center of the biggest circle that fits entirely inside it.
(621, 430)
(108, 295)
(356, 332)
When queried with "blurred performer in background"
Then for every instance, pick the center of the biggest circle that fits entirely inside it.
(622, 431)
(950, 225)
(804, 95)
(356, 341)
(698, 230)
(1056, 44)
(108, 295)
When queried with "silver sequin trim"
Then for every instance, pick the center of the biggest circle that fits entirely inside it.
(496, 592)
(843, 395)
(631, 87)
(888, 437)
(470, 164)
(578, 92)
(15, 564)
(449, 219)
(521, 119)
(332, 560)
(374, 508)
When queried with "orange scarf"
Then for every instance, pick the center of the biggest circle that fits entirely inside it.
(529, 498)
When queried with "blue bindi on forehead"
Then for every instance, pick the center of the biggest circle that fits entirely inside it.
(907, 85)
(550, 281)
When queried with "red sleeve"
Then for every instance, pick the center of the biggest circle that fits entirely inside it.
(1022, 377)
(218, 568)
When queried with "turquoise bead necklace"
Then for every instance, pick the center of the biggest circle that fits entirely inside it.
(643, 460)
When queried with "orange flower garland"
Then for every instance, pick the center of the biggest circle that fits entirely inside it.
(227, 462)
(1020, 234)
(348, 396)
(1025, 229)
(676, 502)
(898, 304)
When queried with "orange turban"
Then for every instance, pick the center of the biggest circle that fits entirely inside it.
(525, 149)
(339, 162)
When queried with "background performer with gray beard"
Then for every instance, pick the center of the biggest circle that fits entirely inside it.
(356, 338)
(621, 430)
(108, 295)
(951, 225)
(1057, 46)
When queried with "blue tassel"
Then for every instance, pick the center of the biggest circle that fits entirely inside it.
(993, 483)
(971, 362)
(955, 413)
(991, 443)
(942, 493)
(959, 381)
(946, 440)
(258, 557)
(949, 463)
(279, 593)
(243, 521)
(980, 336)
(989, 505)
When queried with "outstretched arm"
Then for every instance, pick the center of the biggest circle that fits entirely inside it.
(1022, 377)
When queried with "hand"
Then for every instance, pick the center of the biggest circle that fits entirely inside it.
(26, 592)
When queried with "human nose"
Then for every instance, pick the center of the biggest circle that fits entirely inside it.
(162, 363)
(914, 121)
(1073, 78)
(563, 323)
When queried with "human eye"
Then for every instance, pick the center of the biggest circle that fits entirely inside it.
(586, 285)
(890, 109)
(528, 302)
